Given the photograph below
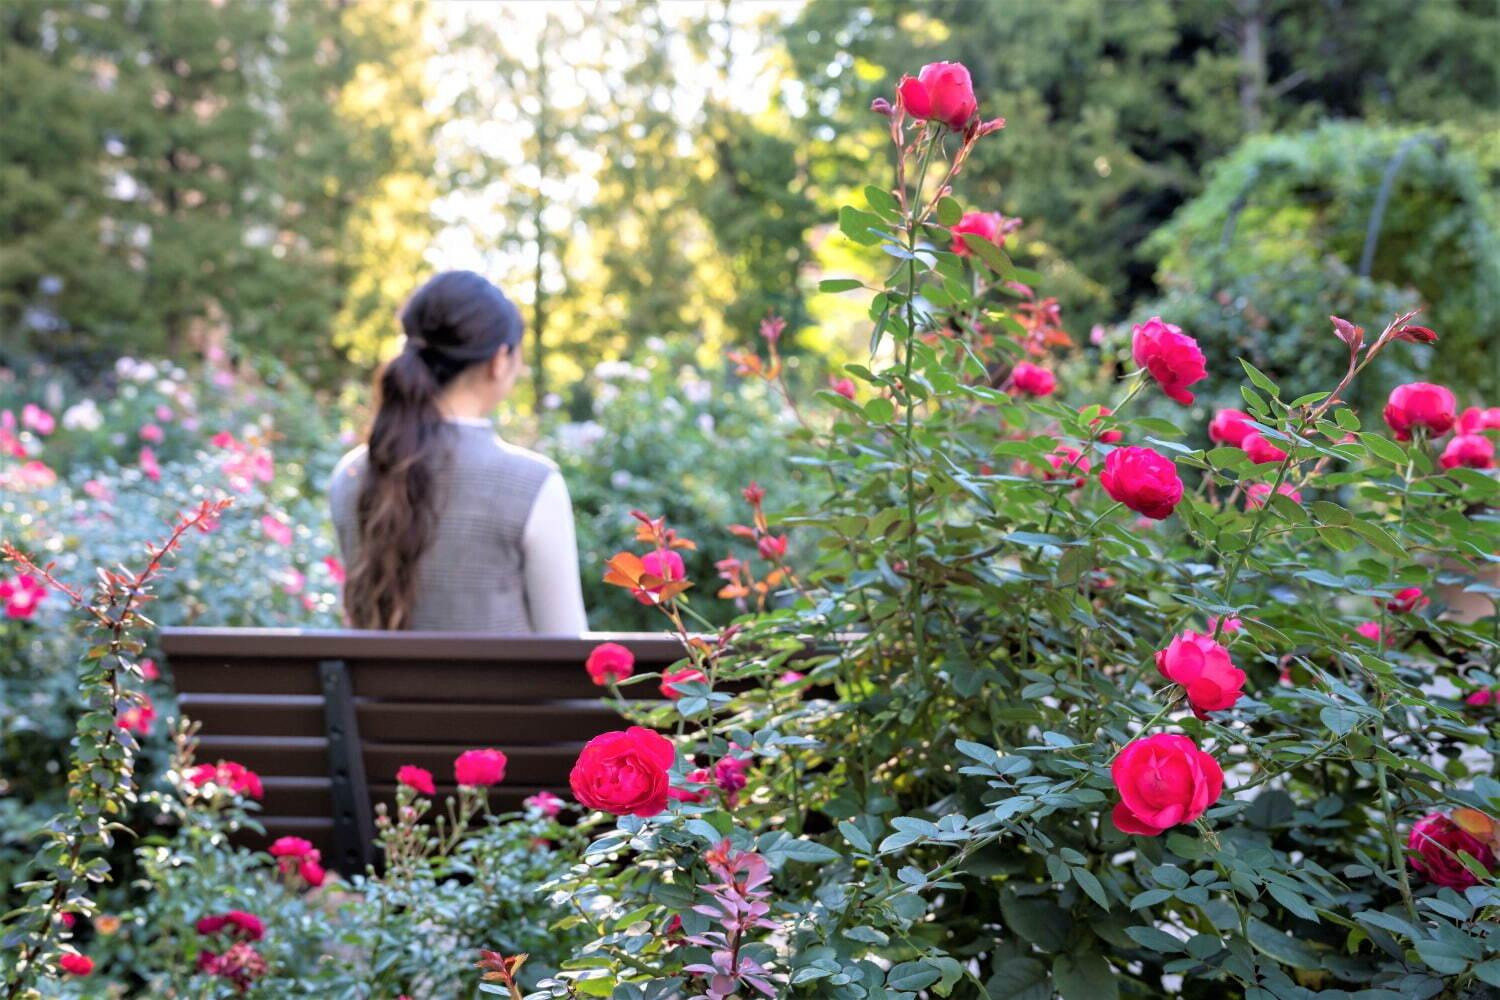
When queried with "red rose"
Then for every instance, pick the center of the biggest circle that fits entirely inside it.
(1163, 780)
(1143, 480)
(1032, 380)
(1420, 404)
(311, 871)
(1407, 600)
(21, 594)
(1436, 839)
(1261, 451)
(1472, 451)
(244, 925)
(418, 779)
(1171, 356)
(1068, 462)
(228, 775)
(76, 965)
(1230, 427)
(1376, 634)
(1256, 494)
(624, 773)
(1204, 670)
(673, 677)
(479, 768)
(941, 92)
(1483, 698)
(610, 661)
(1109, 436)
(843, 386)
(990, 225)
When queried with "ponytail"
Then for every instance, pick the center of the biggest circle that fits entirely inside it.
(458, 319)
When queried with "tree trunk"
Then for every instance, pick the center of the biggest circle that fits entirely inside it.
(1252, 64)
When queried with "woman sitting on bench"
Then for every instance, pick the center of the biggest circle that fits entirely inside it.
(444, 526)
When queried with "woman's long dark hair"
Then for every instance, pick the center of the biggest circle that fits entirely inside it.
(455, 321)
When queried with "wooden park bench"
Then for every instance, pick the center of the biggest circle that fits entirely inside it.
(325, 717)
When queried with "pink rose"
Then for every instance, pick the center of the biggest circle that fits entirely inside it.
(673, 677)
(546, 803)
(76, 965)
(624, 773)
(228, 775)
(1143, 480)
(276, 530)
(1069, 463)
(1376, 634)
(1230, 427)
(1108, 436)
(1436, 839)
(610, 661)
(35, 418)
(1472, 451)
(990, 225)
(99, 490)
(1163, 780)
(21, 594)
(479, 768)
(1261, 451)
(149, 465)
(771, 547)
(418, 779)
(1231, 624)
(1420, 404)
(1407, 600)
(1204, 670)
(138, 719)
(1033, 380)
(1256, 494)
(1483, 698)
(790, 677)
(1476, 421)
(1172, 357)
(335, 568)
(730, 774)
(941, 92)
(843, 386)
(152, 433)
(663, 563)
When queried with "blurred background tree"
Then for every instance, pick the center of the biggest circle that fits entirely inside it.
(280, 176)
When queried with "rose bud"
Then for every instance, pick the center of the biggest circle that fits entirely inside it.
(941, 92)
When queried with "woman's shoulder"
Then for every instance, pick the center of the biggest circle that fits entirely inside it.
(348, 469)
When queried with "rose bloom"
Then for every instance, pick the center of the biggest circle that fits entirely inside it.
(1231, 624)
(335, 568)
(149, 465)
(21, 594)
(239, 923)
(1256, 494)
(790, 677)
(624, 773)
(1407, 600)
(1261, 451)
(1373, 632)
(1033, 380)
(989, 225)
(1472, 451)
(276, 530)
(546, 803)
(699, 777)
(152, 433)
(843, 386)
(941, 92)
(1475, 421)
(98, 490)
(76, 965)
(673, 677)
(1483, 698)
(1204, 670)
(1420, 404)
(1436, 839)
(1230, 427)
(1171, 356)
(663, 563)
(1109, 436)
(1143, 480)
(35, 418)
(610, 661)
(138, 718)
(1163, 780)
(479, 768)
(1068, 462)
(418, 779)
(228, 775)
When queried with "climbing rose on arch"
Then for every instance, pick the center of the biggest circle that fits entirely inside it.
(1143, 480)
(1171, 356)
(1163, 780)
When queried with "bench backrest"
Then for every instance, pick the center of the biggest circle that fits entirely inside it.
(325, 717)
